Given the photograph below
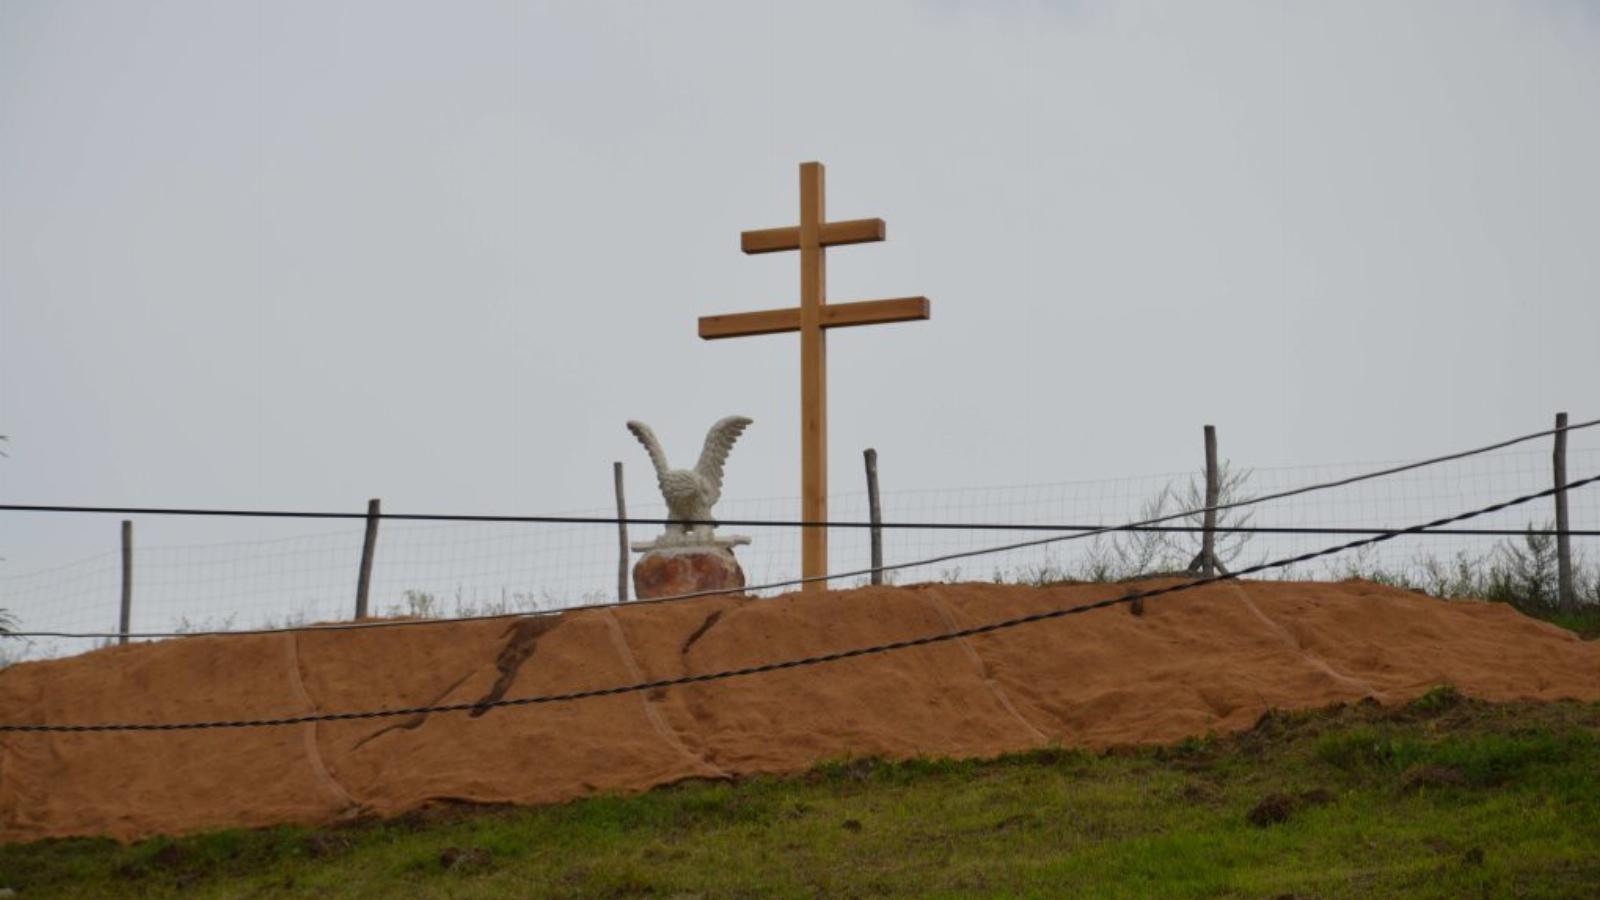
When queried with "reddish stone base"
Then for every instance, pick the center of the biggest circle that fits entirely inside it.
(667, 573)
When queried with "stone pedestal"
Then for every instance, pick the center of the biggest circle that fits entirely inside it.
(669, 571)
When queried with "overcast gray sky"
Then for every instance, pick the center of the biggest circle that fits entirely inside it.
(300, 254)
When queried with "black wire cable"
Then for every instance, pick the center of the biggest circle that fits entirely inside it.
(676, 598)
(758, 523)
(850, 524)
(801, 662)
(947, 557)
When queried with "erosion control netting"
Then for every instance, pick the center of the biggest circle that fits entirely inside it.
(1209, 659)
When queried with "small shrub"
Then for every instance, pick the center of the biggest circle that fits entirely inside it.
(465, 859)
(1526, 574)
(1194, 747)
(1484, 760)
(1493, 759)
(418, 604)
(1437, 699)
(1273, 809)
(1362, 748)
(1423, 778)
(1053, 755)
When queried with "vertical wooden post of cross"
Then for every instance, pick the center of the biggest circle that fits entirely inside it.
(813, 375)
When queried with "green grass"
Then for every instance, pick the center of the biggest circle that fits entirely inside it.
(1585, 621)
(1445, 798)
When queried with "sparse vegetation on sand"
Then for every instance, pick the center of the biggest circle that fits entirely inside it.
(1447, 797)
(1519, 572)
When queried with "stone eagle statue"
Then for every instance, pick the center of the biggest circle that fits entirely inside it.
(690, 493)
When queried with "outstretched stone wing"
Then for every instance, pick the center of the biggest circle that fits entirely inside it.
(658, 457)
(719, 440)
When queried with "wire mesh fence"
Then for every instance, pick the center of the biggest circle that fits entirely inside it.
(448, 569)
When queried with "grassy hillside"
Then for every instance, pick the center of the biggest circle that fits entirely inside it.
(1445, 798)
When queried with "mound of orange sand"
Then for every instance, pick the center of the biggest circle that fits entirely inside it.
(1210, 659)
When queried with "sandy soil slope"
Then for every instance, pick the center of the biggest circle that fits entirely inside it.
(1210, 659)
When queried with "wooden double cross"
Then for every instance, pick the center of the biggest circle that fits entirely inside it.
(812, 318)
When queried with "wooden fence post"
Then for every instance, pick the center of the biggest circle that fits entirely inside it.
(1208, 540)
(127, 582)
(875, 512)
(622, 535)
(1566, 596)
(369, 545)
(1205, 562)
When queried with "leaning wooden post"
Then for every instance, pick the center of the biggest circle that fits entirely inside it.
(622, 535)
(874, 512)
(1208, 540)
(1566, 597)
(368, 546)
(127, 582)
(1205, 562)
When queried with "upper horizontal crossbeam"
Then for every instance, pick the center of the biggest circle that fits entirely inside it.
(833, 234)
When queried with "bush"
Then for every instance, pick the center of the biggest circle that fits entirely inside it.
(1363, 748)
